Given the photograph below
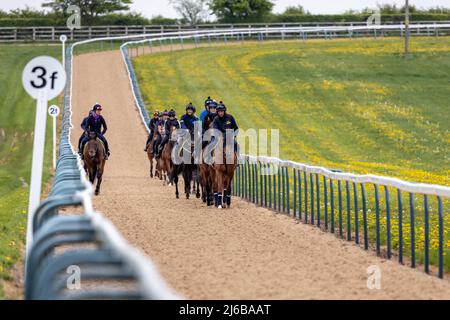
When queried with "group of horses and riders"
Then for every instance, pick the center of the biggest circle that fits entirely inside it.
(167, 139)
(167, 134)
(93, 148)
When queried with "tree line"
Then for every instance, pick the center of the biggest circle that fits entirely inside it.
(116, 12)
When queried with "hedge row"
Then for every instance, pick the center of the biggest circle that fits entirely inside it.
(137, 20)
(358, 18)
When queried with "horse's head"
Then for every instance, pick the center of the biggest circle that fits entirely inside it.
(92, 145)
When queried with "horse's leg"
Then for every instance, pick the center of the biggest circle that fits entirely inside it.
(219, 179)
(99, 179)
(151, 167)
(197, 183)
(228, 185)
(91, 175)
(225, 189)
(187, 181)
(177, 194)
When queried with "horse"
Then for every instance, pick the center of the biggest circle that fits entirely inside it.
(189, 171)
(151, 156)
(224, 173)
(94, 160)
(165, 164)
(207, 173)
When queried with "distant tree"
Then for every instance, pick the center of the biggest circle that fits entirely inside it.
(241, 10)
(90, 9)
(295, 10)
(160, 20)
(191, 11)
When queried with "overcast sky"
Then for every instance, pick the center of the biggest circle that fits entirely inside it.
(155, 7)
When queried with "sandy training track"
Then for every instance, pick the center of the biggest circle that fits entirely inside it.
(204, 253)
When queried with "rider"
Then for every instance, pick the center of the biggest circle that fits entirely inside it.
(169, 125)
(224, 121)
(161, 130)
(209, 118)
(84, 127)
(152, 126)
(187, 120)
(205, 112)
(97, 124)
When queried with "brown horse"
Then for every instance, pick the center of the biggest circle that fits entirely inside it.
(151, 156)
(94, 160)
(224, 174)
(165, 164)
(207, 174)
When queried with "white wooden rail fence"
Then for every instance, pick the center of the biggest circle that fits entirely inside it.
(52, 34)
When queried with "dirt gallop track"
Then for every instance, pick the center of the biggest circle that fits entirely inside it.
(203, 253)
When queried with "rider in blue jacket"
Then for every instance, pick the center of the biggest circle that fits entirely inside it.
(205, 112)
(187, 120)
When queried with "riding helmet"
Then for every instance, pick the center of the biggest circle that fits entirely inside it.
(165, 113)
(212, 104)
(208, 101)
(172, 113)
(221, 107)
(97, 106)
(190, 107)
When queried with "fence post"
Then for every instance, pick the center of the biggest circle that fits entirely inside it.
(377, 219)
(441, 238)
(318, 199)
(283, 187)
(305, 180)
(288, 191)
(412, 231)
(355, 196)
(332, 205)
(325, 200)
(349, 227)
(427, 235)
(388, 221)
(295, 193)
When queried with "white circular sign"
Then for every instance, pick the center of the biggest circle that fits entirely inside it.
(53, 111)
(44, 73)
(63, 38)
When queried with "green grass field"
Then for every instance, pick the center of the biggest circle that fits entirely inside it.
(353, 105)
(17, 112)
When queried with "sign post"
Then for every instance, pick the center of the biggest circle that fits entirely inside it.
(54, 111)
(44, 79)
(63, 39)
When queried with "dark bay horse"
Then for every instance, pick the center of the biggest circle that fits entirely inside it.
(189, 171)
(94, 160)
